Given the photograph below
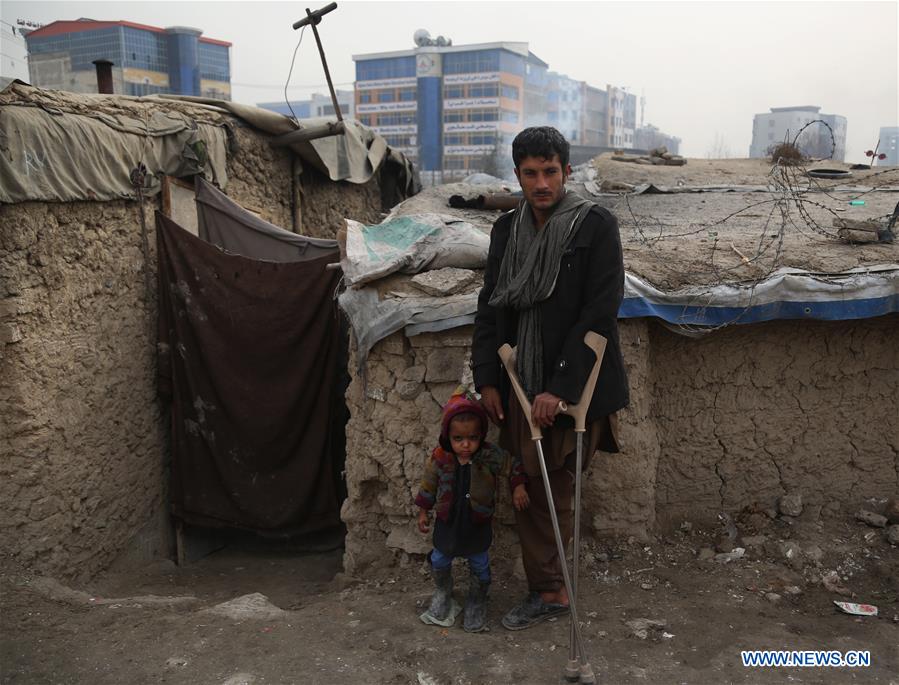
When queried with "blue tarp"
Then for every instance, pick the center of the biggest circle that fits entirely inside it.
(786, 294)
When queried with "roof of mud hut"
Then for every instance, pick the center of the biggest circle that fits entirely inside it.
(708, 244)
(69, 147)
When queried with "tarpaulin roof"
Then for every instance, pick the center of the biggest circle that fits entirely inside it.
(61, 146)
(695, 280)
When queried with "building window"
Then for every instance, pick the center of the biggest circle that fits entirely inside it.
(452, 92)
(407, 94)
(452, 140)
(386, 96)
(399, 140)
(452, 115)
(477, 139)
(510, 92)
(473, 62)
(395, 119)
(364, 97)
(510, 116)
(486, 90)
(483, 115)
(214, 62)
(388, 67)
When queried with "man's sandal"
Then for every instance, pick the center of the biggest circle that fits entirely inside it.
(531, 611)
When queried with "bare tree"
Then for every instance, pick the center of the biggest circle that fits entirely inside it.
(495, 162)
(719, 149)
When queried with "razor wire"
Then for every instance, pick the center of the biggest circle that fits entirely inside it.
(791, 207)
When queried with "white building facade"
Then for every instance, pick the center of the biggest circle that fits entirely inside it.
(782, 124)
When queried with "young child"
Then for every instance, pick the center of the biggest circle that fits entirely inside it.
(460, 482)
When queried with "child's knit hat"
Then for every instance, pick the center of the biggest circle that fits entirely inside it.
(462, 403)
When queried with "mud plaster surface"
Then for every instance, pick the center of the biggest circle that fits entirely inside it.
(684, 239)
(259, 177)
(83, 457)
(738, 417)
(83, 464)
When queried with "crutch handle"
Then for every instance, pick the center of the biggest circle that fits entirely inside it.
(508, 356)
(578, 411)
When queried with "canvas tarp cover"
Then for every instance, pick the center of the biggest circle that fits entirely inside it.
(353, 156)
(226, 224)
(59, 146)
(247, 354)
(54, 155)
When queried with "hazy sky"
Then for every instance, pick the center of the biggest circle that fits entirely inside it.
(704, 67)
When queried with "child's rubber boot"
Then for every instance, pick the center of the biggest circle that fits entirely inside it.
(443, 608)
(475, 617)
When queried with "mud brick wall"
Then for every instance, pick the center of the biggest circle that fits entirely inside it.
(82, 464)
(752, 412)
(259, 177)
(739, 416)
(394, 424)
(83, 441)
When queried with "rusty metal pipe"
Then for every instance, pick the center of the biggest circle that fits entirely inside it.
(311, 133)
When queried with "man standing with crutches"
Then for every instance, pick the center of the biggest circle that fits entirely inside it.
(554, 272)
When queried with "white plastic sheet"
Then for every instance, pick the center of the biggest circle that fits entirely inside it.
(411, 244)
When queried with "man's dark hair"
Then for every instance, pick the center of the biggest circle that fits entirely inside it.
(540, 141)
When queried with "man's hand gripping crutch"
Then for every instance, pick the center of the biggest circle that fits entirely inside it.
(578, 668)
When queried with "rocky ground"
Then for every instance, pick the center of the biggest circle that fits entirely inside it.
(677, 609)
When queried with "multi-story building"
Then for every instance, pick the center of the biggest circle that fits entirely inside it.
(565, 106)
(621, 117)
(317, 105)
(889, 145)
(452, 109)
(145, 59)
(783, 124)
(595, 119)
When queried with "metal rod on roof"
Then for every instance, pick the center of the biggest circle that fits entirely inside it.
(313, 19)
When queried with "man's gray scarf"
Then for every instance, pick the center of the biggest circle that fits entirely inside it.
(528, 276)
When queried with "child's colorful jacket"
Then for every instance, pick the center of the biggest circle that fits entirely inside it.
(486, 465)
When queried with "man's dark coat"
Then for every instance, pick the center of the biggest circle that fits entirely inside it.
(587, 296)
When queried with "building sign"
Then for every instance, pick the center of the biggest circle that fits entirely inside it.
(150, 78)
(470, 103)
(387, 107)
(460, 127)
(407, 129)
(486, 77)
(428, 64)
(387, 83)
(469, 150)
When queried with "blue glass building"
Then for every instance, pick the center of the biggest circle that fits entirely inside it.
(146, 59)
(449, 108)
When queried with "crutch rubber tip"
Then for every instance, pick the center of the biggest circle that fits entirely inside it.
(572, 672)
(586, 676)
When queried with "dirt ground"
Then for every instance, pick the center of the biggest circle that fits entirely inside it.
(323, 627)
(738, 171)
